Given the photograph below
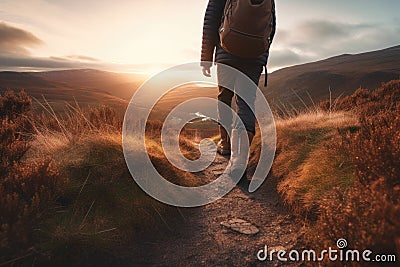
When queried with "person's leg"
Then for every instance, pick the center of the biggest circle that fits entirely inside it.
(245, 107)
(248, 91)
(225, 117)
(225, 79)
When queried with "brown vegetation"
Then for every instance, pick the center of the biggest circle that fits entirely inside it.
(27, 189)
(367, 213)
(95, 216)
(339, 166)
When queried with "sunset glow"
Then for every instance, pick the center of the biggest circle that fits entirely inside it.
(146, 36)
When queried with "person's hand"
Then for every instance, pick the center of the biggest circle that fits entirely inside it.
(206, 71)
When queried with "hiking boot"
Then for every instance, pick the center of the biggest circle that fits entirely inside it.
(224, 145)
(240, 152)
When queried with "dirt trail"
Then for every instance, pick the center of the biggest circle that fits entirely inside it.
(198, 239)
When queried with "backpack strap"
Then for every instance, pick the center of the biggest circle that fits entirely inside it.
(266, 75)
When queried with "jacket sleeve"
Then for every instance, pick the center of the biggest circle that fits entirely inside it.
(212, 21)
(271, 37)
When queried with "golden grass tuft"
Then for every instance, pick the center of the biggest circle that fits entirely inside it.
(318, 119)
(306, 164)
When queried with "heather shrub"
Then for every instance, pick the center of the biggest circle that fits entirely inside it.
(27, 189)
(367, 213)
(366, 102)
(375, 147)
(15, 116)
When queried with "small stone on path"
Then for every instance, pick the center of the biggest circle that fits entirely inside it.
(240, 226)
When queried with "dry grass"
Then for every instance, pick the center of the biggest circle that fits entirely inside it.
(318, 119)
(341, 169)
(106, 212)
(305, 162)
(99, 213)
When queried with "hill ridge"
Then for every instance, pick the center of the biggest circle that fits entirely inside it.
(341, 74)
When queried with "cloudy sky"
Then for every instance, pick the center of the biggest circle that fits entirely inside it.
(147, 35)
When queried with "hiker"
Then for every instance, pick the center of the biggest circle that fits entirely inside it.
(241, 56)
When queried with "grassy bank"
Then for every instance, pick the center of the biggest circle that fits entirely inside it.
(307, 160)
(339, 170)
(67, 196)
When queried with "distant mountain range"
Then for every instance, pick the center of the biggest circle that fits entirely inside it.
(288, 87)
(341, 74)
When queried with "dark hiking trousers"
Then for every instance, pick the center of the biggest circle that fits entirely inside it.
(229, 79)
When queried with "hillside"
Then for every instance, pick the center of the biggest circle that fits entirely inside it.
(117, 84)
(343, 74)
(86, 86)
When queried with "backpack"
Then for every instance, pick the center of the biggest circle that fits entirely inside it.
(246, 27)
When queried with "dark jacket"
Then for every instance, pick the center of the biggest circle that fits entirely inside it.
(211, 41)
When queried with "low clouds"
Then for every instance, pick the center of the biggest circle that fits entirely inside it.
(327, 31)
(324, 38)
(286, 57)
(32, 63)
(83, 58)
(14, 53)
(15, 41)
(316, 39)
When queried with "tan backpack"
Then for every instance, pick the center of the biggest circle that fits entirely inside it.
(246, 27)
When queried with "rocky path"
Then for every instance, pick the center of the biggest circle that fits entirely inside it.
(201, 239)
